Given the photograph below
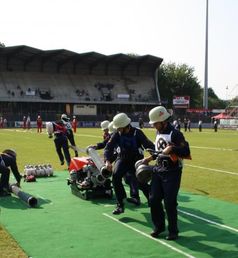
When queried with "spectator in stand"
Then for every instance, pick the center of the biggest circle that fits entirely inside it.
(24, 122)
(39, 124)
(74, 124)
(28, 122)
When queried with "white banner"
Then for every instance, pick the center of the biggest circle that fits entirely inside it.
(85, 110)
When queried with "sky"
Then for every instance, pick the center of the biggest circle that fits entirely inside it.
(171, 29)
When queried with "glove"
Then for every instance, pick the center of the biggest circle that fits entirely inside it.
(92, 146)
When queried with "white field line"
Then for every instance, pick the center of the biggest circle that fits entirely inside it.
(88, 135)
(213, 170)
(212, 148)
(148, 236)
(204, 219)
(209, 221)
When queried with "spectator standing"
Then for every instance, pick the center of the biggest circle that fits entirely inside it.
(200, 125)
(24, 122)
(141, 123)
(215, 125)
(5, 122)
(189, 125)
(74, 124)
(185, 121)
(39, 124)
(1, 122)
(28, 122)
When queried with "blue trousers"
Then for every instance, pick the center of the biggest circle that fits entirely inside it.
(126, 169)
(61, 142)
(164, 187)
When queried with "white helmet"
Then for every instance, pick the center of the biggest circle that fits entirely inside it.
(110, 128)
(64, 117)
(104, 124)
(10, 152)
(49, 127)
(121, 120)
(158, 114)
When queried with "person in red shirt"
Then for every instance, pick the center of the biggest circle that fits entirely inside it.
(39, 124)
(74, 124)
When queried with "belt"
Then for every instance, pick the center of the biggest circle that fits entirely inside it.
(167, 164)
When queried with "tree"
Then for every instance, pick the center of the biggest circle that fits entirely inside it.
(179, 80)
(2, 44)
(214, 101)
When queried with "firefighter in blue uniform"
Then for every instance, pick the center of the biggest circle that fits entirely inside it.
(8, 160)
(106, 135)
(171, 148)
(131, 142)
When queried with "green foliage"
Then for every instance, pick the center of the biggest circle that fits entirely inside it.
(214, 101)
(179, 80)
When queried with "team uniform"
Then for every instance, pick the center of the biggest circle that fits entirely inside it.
(8, 161)
(171, 148)
(70, 134)
(130, 149)
(61, 141)
(106, 138)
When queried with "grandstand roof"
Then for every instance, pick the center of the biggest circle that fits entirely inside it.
(61, 56)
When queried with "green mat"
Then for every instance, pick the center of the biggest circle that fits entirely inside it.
(64, 225)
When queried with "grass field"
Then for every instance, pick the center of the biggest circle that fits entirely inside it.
(212, 172)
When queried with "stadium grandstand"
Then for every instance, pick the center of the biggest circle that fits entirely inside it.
(90, 85)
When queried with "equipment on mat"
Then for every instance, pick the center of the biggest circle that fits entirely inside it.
(88, 177)
(26, 197)
(43, 170)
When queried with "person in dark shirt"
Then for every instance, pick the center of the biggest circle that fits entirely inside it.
(8, 163)
(171, 147)
(106, 136)
(70, 135)
(59, 131)
(131, 142)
